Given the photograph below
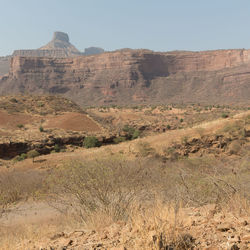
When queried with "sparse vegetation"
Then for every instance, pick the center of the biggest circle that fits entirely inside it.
(132, 133)
(224, 115)
(41, 129)
(144, 186)
(33, 154)
(91, 142)
(20, 125)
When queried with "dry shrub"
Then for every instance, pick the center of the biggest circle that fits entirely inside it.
(111, 186)
(144, 149)
(106, 186)
(160, 227)
(17, 185)
(234, 147)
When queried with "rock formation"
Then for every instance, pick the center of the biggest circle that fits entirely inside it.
(4, 65)
(136, 76)
(58, 47)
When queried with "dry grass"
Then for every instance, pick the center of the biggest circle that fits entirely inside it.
(143, 193)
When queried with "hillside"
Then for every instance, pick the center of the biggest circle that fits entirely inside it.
(183, 189)
(136, 76)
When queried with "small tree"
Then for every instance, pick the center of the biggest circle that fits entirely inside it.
(91, 142)
(57, 148)
(41, 129)
(32, 154)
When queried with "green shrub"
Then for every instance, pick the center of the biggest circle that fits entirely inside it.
(57, 148)
(20, 157)
(14, 100)
(41, 129)
(91, 142)
(136, 134)
(131, 132)
(32, 154)
(20, 125)
(119, 139)
(224, 115)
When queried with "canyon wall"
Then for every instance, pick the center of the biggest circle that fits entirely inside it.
(136, 76)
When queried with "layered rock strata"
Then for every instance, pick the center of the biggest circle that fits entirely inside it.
(136, 76)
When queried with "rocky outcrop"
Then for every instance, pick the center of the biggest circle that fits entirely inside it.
(4, 65)
(58, 47)
(136, 76)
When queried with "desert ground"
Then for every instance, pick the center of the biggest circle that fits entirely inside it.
(134, 177)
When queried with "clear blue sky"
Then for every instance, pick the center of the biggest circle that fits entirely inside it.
(160, 25)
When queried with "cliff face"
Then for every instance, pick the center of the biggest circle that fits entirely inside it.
(133, 76)
(4, 65)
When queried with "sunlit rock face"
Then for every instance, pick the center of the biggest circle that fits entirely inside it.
(136, 76)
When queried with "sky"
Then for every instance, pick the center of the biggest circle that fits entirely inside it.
(160, 25)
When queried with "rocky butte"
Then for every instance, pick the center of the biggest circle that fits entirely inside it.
(136, 76)
(58, 47)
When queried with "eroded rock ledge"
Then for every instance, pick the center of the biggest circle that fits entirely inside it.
(136, 76)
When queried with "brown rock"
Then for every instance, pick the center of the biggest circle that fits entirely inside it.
(132, 76)
(246, 238)
(224, 227)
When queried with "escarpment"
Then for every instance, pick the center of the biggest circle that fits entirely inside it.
(136, 76)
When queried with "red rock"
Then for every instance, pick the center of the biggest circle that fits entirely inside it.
(132, 76)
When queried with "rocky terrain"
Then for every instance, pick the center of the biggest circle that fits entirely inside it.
(198, 199)
(42, 122)
(136, 76)
(207, 227)
(45, 122)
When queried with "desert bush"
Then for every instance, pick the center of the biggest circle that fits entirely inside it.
(20, 125)
(224, 115)
(41, 129)
(119, 139)
(108, 186)
(145, 149)
(20, 157)
(57, 148)
(184, 139)
(14, 100)
(136, 134)
(132, 133)
(91, 142)
(33, 154)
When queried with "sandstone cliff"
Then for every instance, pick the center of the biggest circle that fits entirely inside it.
(135, 76)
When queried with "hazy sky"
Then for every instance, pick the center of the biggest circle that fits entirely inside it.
(159, 25)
